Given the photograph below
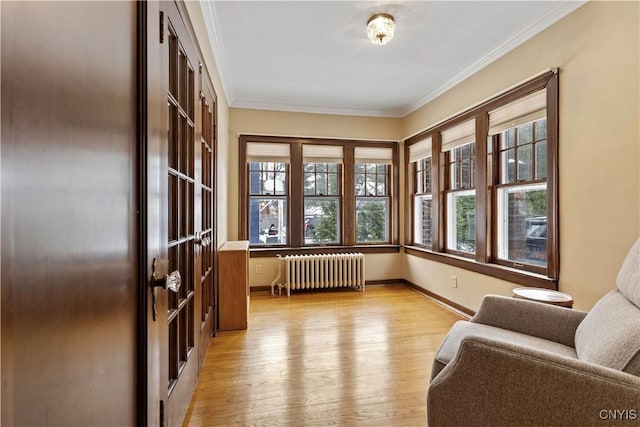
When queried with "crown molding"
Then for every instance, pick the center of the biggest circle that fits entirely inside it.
(560, 11)
(293, 108)
(208, 9)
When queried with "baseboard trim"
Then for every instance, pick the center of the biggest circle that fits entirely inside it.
(260, 289)
(384, 282)
(447, 303)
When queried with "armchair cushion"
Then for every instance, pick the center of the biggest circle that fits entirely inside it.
(628, 280)
(610, 334)
(531, 318)
(463, 329)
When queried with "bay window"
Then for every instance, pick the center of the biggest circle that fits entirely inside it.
(494, 205)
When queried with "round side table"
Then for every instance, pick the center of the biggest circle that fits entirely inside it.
(545, 296)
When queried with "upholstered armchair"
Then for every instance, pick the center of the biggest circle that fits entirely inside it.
(524, 363)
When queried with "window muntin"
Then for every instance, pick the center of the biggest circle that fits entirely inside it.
(462, 163)
(322, 184)
(268, 201)
(372, 202)
(523, 153)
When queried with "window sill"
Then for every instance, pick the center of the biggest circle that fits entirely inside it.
(498, 271)
(284, 251)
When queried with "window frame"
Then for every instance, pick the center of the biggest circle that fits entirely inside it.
(319, 196)
(421, 192)
(374, 197)
(296, 242)
(484, 261)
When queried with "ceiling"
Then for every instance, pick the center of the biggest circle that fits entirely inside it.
(314, 56)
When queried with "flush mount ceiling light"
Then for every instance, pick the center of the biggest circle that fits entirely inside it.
(380, 28)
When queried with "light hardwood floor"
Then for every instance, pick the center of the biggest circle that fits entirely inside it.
(324, 358)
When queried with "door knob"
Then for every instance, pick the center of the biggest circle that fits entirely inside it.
(171, 281)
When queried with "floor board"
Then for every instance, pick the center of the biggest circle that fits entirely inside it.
(324, 358)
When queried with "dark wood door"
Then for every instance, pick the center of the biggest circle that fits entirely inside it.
(69, 223)
(180, 312)
(207, 269)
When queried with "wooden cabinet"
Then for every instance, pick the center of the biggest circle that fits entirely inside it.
(233, 279)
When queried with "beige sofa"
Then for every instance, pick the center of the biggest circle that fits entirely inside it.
(523, 363)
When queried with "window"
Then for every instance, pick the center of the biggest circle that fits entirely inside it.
(268, 193)
(322, 184)
(372, 194)
(460, 154)
(298, 193)
(420, 158)
(520, 130)
(512, 222)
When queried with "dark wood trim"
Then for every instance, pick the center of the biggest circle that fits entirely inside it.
(314, 140)
(504, 273)
(384, 282)
(260, 289)
(409, 190)
(459, 309)
(371, 249)
(438, 183)
(482, 128)
(349, 197)
(142, 201)
(296, 204)
(394, 220)
(243, 190)
(553, 177)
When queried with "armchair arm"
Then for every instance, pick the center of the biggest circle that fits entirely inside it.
(493, 383)
(532, 318)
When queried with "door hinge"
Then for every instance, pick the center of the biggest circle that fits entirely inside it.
(161, 27)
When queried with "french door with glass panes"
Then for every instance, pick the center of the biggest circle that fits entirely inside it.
(189, 314)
